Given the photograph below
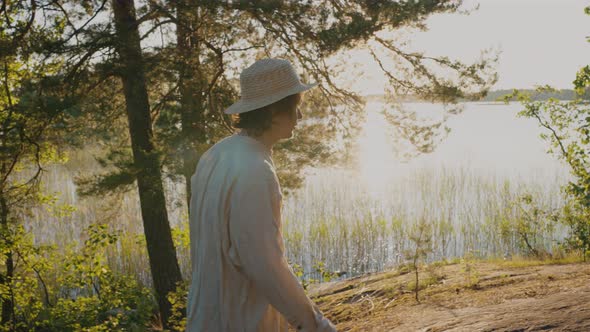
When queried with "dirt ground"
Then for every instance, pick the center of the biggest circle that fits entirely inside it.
(501, 296)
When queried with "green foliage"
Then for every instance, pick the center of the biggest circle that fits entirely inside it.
(120, 177)
(537, 95)
(325, 274)
(17, 243)
(178, 298)
(73, 290)
(73, 97)
(34, 103)
(120, 304)
(300, 274)
(530, 224)
(469, 270)
(181, 237)
(421, 236)
(577, 217)
(189, 84)
(582, 81)
(318, 269)
(567, 133)
(86, 267)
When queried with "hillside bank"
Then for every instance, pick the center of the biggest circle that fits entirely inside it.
(466, 296)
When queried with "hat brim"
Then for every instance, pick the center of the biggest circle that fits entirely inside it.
(243, 106)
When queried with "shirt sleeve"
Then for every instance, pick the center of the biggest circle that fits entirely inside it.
(255, 231)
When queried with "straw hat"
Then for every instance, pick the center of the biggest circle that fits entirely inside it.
(265, 82)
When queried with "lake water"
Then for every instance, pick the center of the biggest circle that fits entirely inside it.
(358, 220)
(464, 188)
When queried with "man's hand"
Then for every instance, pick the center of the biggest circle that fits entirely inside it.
(324, 325)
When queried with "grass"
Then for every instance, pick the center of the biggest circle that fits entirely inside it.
(467, 211)
(333, 220)
(521, 261)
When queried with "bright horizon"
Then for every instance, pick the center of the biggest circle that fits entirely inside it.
(541, 42)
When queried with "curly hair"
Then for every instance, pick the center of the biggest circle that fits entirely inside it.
(259, 120)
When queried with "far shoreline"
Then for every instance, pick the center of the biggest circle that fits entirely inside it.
(493, 97)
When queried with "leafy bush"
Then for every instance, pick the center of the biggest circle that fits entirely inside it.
(178, 299)
(577, 218)
(74, 290)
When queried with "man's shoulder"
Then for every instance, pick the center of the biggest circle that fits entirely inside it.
(234, 144)
(223, 149)
(239, 155)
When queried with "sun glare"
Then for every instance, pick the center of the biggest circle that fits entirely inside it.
(376, 157)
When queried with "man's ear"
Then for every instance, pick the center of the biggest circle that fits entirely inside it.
(273, 113)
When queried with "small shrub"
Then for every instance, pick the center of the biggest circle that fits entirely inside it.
(469, 271)
(178, 299)
(75, 290)
(421, 236)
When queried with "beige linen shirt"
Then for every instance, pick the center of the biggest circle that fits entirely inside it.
(240, 278)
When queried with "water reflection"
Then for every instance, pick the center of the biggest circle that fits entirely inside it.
(357, 220)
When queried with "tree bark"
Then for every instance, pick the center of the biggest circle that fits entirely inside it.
(191, 90)
(160, 247)
(7, 302)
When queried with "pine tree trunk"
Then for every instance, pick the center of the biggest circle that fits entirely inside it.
(191, 91)
(161, 251)
(7, 303)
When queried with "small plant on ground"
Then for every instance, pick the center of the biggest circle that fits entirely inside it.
(325, 274)
(421, 236)
(469, 270)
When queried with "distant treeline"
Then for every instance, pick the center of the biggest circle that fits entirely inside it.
(565, 94)
(498, 95)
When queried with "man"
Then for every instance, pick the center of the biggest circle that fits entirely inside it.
(240, 278)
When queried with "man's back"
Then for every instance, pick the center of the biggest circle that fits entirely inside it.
(241, 280)
(221, 297)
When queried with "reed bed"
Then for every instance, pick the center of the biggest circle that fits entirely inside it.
(340, 220)
(335, 219)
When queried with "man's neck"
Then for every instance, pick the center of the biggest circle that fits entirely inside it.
(265, 138)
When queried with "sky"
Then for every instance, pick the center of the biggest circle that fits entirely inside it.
(541, 42)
